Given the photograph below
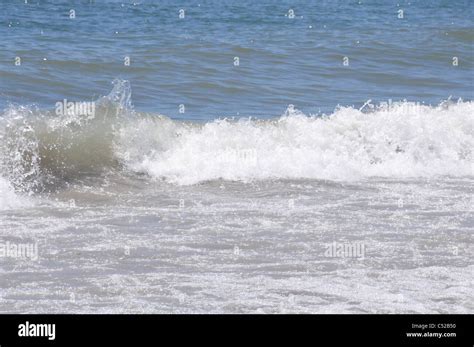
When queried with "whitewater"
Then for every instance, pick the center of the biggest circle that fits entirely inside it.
(138, 212)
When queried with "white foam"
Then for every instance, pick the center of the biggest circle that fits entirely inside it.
(400, 140)
(8, 198)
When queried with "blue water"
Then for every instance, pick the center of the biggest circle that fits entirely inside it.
(282, 60)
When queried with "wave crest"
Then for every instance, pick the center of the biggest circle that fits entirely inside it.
(398, 140)
(40, 150)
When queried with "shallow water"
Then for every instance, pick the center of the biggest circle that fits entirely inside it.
(135, 246)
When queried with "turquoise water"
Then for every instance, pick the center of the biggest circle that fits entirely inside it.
(282, 60)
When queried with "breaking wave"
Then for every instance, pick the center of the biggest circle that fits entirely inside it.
(398, 140)
(41, 151)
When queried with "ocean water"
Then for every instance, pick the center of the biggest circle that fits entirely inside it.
(270, 157)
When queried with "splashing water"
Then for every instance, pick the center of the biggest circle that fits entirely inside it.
(41, 150)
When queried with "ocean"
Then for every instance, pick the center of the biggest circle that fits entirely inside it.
(236, 156)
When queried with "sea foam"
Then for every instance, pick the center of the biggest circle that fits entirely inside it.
(399, 140)
(8, 198)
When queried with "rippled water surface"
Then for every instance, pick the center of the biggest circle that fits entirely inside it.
(282, 60)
